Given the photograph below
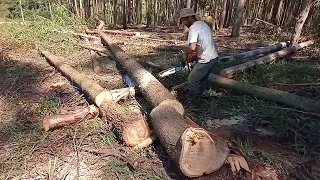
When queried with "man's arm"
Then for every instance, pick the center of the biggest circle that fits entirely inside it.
(192, 44)
(191, 48)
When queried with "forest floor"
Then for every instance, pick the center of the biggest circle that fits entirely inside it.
(278, 142)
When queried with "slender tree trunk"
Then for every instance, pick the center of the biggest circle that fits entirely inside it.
(229, 13)
(50, 10)
(275, 12)
(137, 11)
(76, 11)
(223, 13)
(148, 15)
(87, 9)
(21, 11)
(195, 5)
(155, 16)
(140, 11)
(301, 19)
(238, 19)
(188, 5)
(124, 14)
(115, 2)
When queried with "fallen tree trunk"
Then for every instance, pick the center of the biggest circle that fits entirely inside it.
(131, 127)
(103, 51)
(229, 72)
(58, 121)
(114, 32)
(192, 149)
(267, 93)
(243, 57)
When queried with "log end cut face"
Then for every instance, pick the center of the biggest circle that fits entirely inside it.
(135, 133)
(200, 154)
(103, 96)
(46, 124)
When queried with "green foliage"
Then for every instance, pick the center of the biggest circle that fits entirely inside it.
(41, 31)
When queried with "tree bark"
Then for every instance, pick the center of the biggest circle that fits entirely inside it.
(188, 5)
(155, 15)
(115, 12)
(267, 93)
(238, 19)
(124, 14)
(169, 124)
(223, 13)
(231, 71)
(130, 126)
(87, 8)
(21, 11)
(244, 57)
(148, 15)
(306, 5)
(275, 12)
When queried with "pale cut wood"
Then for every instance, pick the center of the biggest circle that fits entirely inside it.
(167, 116)
(130, 126)
(267, 93)
(61, 120)
(231, 71)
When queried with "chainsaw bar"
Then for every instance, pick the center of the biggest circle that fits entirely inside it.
(169, 71)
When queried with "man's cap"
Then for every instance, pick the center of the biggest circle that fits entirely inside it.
(185, 12)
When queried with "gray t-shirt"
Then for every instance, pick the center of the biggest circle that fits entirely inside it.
(200, 33)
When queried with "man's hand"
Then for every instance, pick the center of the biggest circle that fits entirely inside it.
(192, 57)
(190, 52)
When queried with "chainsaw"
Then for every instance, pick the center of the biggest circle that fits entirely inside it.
(185, 67)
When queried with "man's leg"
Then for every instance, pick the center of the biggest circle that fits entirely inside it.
(199, 73)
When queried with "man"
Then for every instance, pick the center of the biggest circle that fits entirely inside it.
(200, 42)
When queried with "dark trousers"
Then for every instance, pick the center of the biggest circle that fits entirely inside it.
(198, 75)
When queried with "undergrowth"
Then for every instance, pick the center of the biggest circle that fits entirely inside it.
(284, 71)
(42, 32)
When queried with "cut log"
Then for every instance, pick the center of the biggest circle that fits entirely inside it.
(114, 32)
(130, 126)
(267, 93)
(58, 121)
(244, 57)
(147, 142)
(231, 71)
(192, 149)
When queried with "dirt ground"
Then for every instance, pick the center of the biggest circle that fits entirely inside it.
(31, 89)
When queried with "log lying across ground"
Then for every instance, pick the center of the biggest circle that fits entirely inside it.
(130, 126)
(114, 32)
(244, 56)
(267, 93)
(192, 149)
(61, 120)
(231, 71)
